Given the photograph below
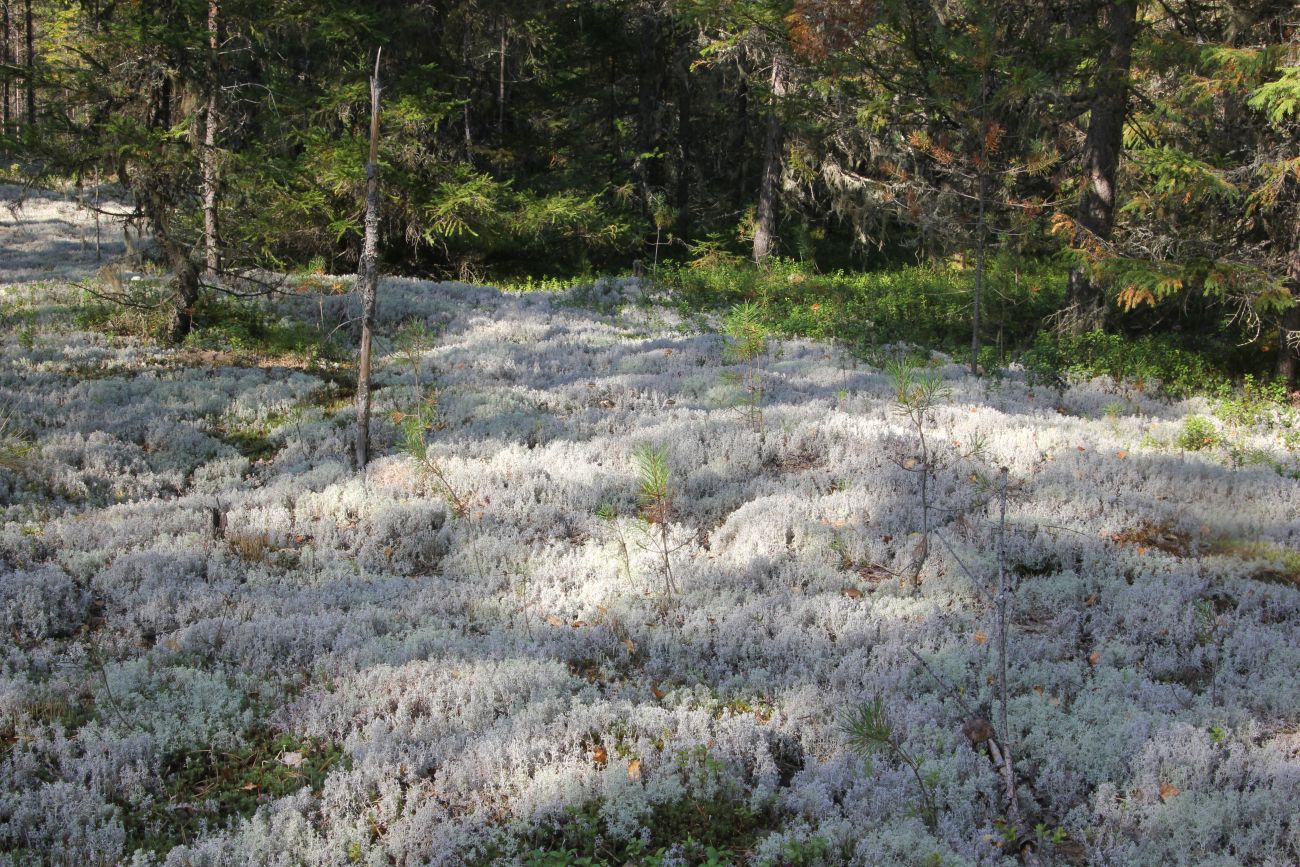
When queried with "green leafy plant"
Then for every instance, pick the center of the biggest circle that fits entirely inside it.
(1198, 433)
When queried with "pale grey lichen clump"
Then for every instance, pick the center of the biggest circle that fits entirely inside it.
(163, 593)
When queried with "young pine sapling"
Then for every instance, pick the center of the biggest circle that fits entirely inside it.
(746, 344)
(916, 393)
(869, 732)
(655, 493)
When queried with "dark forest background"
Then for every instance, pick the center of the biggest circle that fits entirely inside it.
(1094, 178)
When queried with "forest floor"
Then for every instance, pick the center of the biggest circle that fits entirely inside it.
(224, 645)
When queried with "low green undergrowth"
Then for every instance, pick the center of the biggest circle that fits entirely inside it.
(1157, 364)
(929, 305)
(203, 788)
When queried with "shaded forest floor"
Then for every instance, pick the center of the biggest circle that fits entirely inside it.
(225, 646)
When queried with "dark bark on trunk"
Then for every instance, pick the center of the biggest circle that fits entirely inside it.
(368, 278)
(765, 219)
(981, 243)
(740, 144)
(1288, 350)
(185, 296)
(647, 131)
(685, 142)
(501, 83)
(211, 123)
(1085, 297)
(157, 204)
(469, 97)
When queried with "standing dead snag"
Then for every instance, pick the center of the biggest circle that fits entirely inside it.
(211, 123)
(368, 275)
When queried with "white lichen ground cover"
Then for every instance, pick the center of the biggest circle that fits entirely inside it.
(472, 678)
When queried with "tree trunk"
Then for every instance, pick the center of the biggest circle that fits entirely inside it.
(6, 56)
(185, 296)
(31, 69)
(740, 145)
(684, 152)
(368, 277)
(211, 123)
(1288, 350)
(981, 245)
(765, 219)
(1085, 297)
(501, 83)
(647, 167)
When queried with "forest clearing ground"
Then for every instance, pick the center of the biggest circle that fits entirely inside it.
(228, 647)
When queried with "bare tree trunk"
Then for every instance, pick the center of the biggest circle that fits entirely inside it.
(981, 256)
(684, 151)
(646, 167)
(31, 69)
(6, 56)
(765, 219)
(1288, 350)
(501, 82)
(1085, 298)
(740, 144)
(368, 276)
(211, 123)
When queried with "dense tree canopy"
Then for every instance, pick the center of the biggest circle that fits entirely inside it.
(1149, 148)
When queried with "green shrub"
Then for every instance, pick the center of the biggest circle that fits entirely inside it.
(1154, 363)
(1198, 433)
(927, 305)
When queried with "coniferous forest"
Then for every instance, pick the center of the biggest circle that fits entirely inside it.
(650, 432)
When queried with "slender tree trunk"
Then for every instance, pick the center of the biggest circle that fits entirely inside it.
(685, 141)
(31, 68)
(6, 53)
(647, 133)
(211, 123)
(1288, 350)
(765, 219)
(611, 122)
(501, 82)
(981, 244)
(469, 97)
(1085, 297)
(740, 144)
(368, 277)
